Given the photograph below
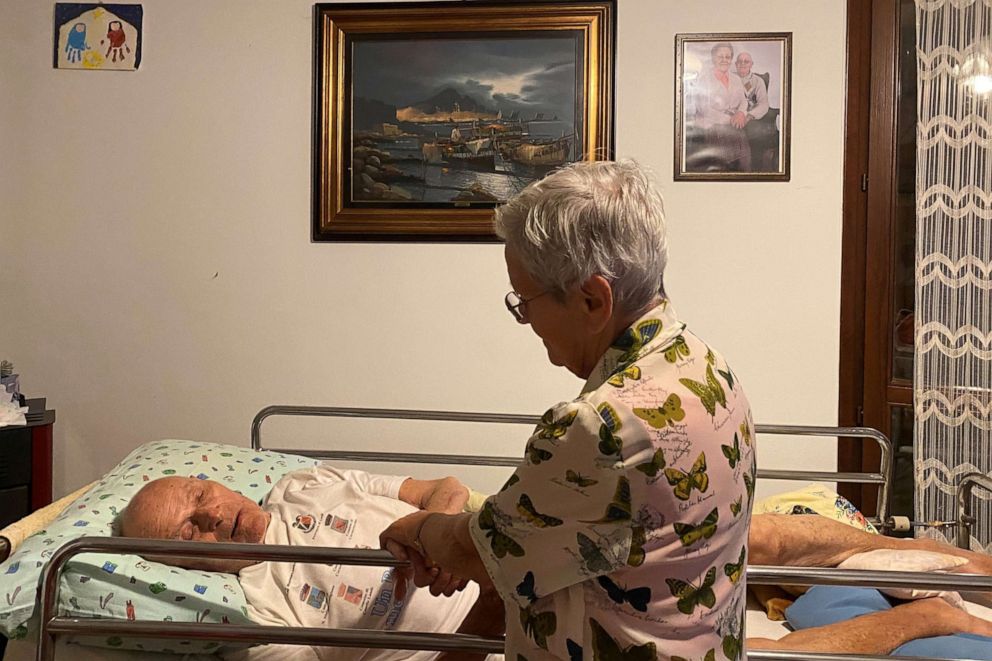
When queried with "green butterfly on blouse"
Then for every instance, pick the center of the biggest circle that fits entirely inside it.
(619, 508)
(710, 656)
(579, 479)
(710, 393)
(632, 372)
(684, 483)
(689, 596)
(596, 562)
(732, 453)
(749, 485)
(746, 433)
(690, 534)
(536, 455)
(609, 442)
(734, 571)
(735, 507)
(636, 555)
(634, 339)
(678, 348)
(651, 468)
(500, 542)
(549, 428)
(538, 625)
(509, 483)
(605, 648)
(665, 415)
(728, 376)
(732, 647)
(527, 510)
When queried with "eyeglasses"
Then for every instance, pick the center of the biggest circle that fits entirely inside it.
(515, 302)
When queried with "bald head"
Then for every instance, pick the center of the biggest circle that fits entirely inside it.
(744, 64)
(192, 509)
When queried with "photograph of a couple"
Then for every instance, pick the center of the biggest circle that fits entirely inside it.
(732, 119)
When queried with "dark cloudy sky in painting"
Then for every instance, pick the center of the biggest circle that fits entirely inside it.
(527, 74)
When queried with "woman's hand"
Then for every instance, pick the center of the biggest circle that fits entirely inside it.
(402, 540)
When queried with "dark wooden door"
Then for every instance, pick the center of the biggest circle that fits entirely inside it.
(877, 297)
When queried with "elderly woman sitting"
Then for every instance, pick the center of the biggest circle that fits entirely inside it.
(614, 535)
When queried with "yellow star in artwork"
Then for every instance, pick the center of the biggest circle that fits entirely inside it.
(98, 12)
(92, 59)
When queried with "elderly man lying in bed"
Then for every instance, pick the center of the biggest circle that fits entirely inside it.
(327, 507)
(321, 506)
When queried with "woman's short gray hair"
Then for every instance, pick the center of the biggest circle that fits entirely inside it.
(588, 218)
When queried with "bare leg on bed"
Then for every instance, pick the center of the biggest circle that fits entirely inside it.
(810, 540)
(880, 633)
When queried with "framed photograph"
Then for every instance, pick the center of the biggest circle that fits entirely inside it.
(732, 120)
(428, 115)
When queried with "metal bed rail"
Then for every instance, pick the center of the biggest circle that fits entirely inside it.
(962, 505)
(51, 624)
(882, 478)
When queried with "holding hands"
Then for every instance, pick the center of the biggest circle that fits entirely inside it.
(403, 539)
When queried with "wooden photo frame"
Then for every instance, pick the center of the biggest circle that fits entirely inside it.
(732, 98)
(427, 115)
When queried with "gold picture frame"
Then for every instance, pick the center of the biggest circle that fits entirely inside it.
(732, 106)
(427, 115)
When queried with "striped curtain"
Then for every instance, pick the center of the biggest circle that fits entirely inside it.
(953, 367)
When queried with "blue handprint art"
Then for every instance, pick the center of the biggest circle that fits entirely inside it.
(76, 43)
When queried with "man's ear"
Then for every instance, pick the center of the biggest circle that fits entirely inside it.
(597, 301)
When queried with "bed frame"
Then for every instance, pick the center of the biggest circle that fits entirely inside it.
(52, 624)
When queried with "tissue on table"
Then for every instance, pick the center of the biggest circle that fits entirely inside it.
(11, 412)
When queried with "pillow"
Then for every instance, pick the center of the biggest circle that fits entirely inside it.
(103, 585)
(815, 499)
(908, 560)
(958, 646)
(827, 604)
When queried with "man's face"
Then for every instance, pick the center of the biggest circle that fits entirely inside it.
(722, 58)
(744, 64)
(192, 509)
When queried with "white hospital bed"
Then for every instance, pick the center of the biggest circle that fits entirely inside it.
(52, 625)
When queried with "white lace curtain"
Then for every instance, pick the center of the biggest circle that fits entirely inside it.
(953, 372)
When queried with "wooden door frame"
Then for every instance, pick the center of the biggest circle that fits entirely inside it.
(868, 208)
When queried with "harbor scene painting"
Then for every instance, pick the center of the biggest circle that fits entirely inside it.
(460, 121)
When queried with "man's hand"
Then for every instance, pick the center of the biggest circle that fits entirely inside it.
(739, 120)
(446, 495)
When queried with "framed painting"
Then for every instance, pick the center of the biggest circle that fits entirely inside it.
(428, 115)
(732, 119)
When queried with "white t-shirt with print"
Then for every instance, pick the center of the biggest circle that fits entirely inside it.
(323, 506)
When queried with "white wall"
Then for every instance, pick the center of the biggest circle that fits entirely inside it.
(159, 281)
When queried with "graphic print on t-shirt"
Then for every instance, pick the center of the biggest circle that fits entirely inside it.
(305, 522)
(339, 525)
(312, 596)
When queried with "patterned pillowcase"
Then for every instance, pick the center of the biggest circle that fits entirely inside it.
(815, 499)
(101, 585)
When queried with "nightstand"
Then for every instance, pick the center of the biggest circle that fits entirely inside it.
(26, 464)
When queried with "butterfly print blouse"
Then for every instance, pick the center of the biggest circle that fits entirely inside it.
(624, 533)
